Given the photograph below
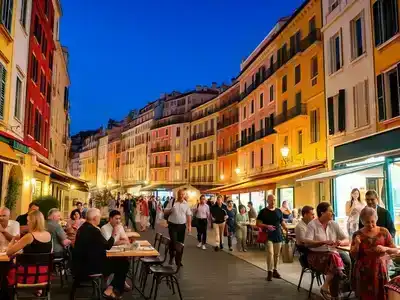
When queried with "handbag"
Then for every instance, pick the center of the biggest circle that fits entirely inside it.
(262, 237)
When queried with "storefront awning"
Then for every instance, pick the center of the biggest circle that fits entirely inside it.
(340, 172)
(7, 155)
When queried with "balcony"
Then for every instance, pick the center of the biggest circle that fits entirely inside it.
(257, 136)
(228, 122)
(203, 113)
(299, 110)
(161, 149)
(229, 102)
(160, 165)
(170, 121)
(202, 179)
(231, 149)
(283, 58)
(203, 157)
(201, 135)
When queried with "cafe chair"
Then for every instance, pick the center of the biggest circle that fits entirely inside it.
(33, 272)
(167, 273)
(60, 266)
(96, 283)
(305, 268)
(156, 245)
(147, 262)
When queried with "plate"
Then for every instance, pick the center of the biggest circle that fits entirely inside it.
(146, 248)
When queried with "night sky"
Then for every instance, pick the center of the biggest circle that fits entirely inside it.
(125, 53)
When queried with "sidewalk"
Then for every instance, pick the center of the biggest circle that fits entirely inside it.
(257, 257)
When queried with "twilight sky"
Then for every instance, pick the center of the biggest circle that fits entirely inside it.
(125, 53)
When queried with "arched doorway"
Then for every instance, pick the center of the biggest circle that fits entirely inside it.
(14, 188)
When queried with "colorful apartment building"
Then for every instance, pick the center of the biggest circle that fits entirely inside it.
(228, 135)
(102, 155)
(114, 154)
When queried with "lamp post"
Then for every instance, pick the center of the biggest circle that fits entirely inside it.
(285, 154)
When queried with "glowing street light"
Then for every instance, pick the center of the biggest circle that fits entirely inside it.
(285, 151)
(222, 177)
(237, 170)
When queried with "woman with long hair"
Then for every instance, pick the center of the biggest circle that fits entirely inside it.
(353, 210)
(73, 225)
(286, 212)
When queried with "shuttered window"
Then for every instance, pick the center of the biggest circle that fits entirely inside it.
(314, 125)
(284, 84)
(23, 15)
(18, 98)
(386, 25)
(381, 97)
(360, 104)
(342, 111)
(331, 116)
(297, 74)
(38, 126)
(261, 157)
(3, 76)
(7, 14)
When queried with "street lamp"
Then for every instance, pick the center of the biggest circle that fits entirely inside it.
(285, 153)
(222, 176)
(237, 171)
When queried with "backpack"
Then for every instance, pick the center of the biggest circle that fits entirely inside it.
(167, 216)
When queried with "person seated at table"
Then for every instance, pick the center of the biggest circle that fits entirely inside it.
(393, 289)
(60, 240)
(23, 219)
(9, 229)
(297, 215)
(384, 217)
(89, 255)
(286, 212)
(38, 240)
(301, 229)
(114, 221)
(370, 248)
(322, 237)
(73, 225)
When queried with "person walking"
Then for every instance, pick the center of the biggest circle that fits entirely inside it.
(202, 213)
(130, 211)
(153, 211)
(271, 220)
(353, 210)
(230, 223)
(219, 216)
(242, 220)
(179, 217)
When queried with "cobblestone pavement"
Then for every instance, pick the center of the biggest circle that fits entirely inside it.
(215, 275)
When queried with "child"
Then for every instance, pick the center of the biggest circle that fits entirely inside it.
(242, 220)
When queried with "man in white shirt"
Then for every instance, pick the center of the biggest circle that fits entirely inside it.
(301, 229)
(115, 222)
(8, 228)
(179, 217)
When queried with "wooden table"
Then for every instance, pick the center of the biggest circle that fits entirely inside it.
(4, 257)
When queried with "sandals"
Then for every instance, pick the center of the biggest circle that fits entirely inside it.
(325, 294)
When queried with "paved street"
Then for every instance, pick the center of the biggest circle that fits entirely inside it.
(211, 275)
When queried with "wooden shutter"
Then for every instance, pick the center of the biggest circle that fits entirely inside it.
(331, 116)
(380, 82)
(342, 111)
(3, 76)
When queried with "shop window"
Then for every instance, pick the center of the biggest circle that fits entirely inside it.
(360, 102)
(286, 194)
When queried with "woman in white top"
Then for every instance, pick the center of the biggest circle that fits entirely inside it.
(353, 209)
(202, 213)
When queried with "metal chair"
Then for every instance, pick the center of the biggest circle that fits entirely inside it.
(147, 262)
(168, 273)
(60, 266)
(156, 245)
(33, 271)
(305, 268)
(96, 282)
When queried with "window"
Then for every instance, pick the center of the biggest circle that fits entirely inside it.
(186, 173)
(42, 83)
(285, 140)
(386, 25)
(44, 46)
(388, 90)
(261, 100)
(333, 4)
(284, 108)
(18, 99)
(297, 74)
(336, 52)
(357, 36)
(271, 93)
(6, 14)
(272, 154)
(3, 77)
(178, 131)
(166, 131)
(261, 157)
(361, 109)
(47, 7)
(252, 107)
(337, 113)
(284, 83)
(37, 30)
(22, 18)
(38, 126)
(30, 118)
(314, 70)
(48, 95)
(46, 137)
(244, 112)
(300, 142)
(34, 69)
(314, 125)
(51, 60)
(298, 102)
(252, 160)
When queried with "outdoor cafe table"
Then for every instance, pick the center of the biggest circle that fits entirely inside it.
(132, 254)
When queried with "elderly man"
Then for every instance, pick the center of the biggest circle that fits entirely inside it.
(179, 217)
(9, 229)
(89, 254)
(23, 219)
(58, 235)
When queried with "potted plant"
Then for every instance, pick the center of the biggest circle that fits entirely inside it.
(13, 190)
(46, 203)
(101, 200)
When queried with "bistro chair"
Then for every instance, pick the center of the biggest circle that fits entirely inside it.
(96, 283)
(305, 268)
(161, 272)
(33, 272)
(156, 245)
(147, 262)
(60, 266)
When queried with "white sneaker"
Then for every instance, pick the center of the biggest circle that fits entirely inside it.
(199, 245)
(203, 247)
